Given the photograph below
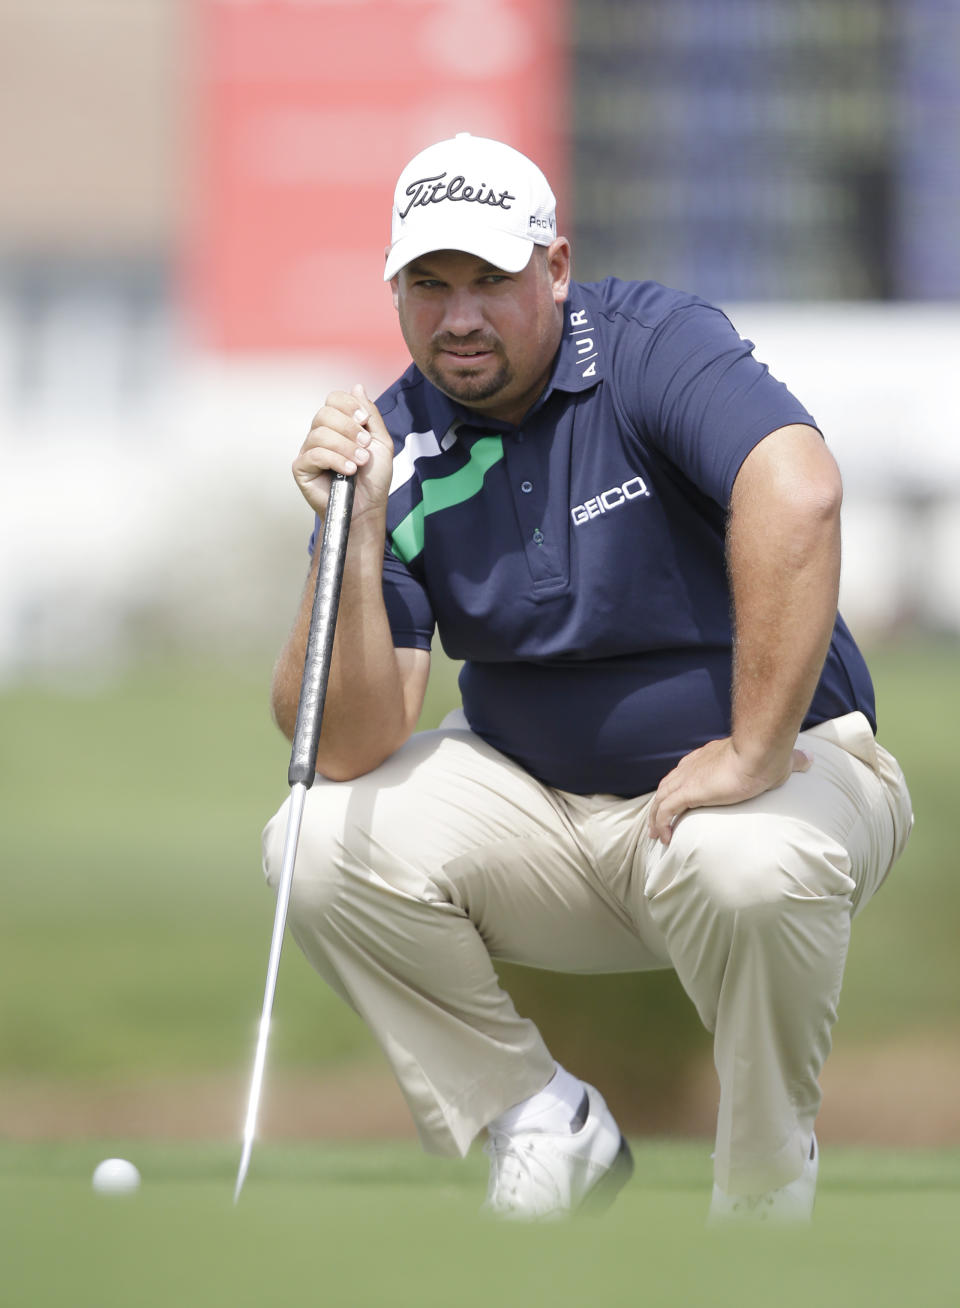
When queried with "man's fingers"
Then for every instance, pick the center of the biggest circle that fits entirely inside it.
(662, 830)
(688, 787)
(315, 460)
(348, 436)
(339, 439)
(373, 422)
(354, 415)
(341, 414)
(666, 810)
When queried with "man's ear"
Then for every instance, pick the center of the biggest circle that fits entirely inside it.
(558, 264)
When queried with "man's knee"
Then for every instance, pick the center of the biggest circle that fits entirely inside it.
(751, 863)
(359, 844)
(318, 870)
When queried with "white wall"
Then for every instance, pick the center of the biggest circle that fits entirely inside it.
(164, 516)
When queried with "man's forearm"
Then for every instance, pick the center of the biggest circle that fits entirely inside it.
(783, 545)
(374, 691)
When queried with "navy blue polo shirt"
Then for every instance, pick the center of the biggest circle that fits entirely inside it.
(576, 562)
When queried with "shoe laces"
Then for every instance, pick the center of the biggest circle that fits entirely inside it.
(760, 1206)
(757, 1206)
(513, 1169)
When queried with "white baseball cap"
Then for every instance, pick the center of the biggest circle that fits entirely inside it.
(472, 194)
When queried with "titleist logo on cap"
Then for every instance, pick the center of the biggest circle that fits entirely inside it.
(499, 221)
(435, 189)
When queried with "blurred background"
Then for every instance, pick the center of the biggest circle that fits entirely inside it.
(195, 199)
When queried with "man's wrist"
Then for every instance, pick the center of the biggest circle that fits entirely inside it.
(365, 544)
(761, 752)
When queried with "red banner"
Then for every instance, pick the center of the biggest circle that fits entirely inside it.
(303, 114)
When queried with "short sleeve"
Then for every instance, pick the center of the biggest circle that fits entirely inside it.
(409, 610)
(703, 399)
(408, 606)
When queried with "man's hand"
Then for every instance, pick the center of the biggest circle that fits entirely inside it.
(347, 435)
(716, 774)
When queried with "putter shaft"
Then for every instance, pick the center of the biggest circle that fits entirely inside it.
(306, 736)
(298, 794)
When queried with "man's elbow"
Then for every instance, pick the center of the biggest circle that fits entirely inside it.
(810, 491)
(820, 498)
(824, 488)
(349, 765)
(343, 770)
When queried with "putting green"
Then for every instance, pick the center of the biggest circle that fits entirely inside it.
(369, 1226)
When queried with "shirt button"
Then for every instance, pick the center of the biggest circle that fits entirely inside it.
(526, 487)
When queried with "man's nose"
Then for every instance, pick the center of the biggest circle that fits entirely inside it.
(463, 313)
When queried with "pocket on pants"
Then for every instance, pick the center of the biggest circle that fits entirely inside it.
(898, 797)
(853, 734)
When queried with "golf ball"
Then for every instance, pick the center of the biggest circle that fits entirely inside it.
(115, 1176)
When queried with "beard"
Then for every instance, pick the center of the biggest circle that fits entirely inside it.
(465, 385)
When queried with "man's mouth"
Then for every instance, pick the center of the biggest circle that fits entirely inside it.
(464, 351)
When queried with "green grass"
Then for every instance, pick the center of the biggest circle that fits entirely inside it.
(135, 924)
(903, 972)
(372, 1227)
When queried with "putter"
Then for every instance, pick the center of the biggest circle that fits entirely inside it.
(306, 737)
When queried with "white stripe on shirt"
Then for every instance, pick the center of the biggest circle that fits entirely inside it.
(419, 445)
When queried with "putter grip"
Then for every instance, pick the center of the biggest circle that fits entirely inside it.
(323, 621)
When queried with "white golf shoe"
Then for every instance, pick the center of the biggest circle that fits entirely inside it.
(791, 1205)
(540, 1175)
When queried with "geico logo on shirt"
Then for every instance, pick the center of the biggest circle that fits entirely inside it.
(614, 498)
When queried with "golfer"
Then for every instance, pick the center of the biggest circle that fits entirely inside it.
(629, 532)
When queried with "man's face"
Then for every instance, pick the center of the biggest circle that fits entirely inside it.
(484, 337)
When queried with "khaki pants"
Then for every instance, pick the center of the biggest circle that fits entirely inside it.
(411, 878)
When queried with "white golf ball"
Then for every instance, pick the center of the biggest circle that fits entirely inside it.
(115, 1176)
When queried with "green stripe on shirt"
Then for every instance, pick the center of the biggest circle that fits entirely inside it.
(443, 493)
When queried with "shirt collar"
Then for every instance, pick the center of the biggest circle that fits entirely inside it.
(579, 362)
